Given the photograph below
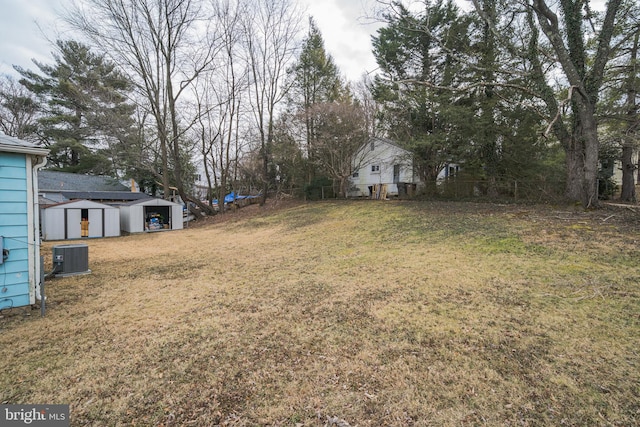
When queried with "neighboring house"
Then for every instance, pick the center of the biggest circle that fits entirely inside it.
(20, 264)
(450, 170)
(378, 162)
(78, 219)
(151, 215)
(59, 187)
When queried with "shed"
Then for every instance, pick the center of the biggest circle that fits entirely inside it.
(20, 267)
(78, 219)
(150, 215)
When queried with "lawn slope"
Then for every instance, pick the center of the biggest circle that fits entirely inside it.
(378, 314)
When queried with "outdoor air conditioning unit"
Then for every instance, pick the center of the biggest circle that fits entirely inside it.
(69, 260)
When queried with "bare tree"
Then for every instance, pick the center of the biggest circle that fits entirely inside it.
(271, 30)
(159, 44)
(220, 99)
(18, 109)
(340, 133)
(370, 107)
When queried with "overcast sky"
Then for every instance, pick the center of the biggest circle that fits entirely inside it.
(25, 26)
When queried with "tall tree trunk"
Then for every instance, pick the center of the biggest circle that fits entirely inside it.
(628, 193)
(582, 157)
(574, 161)
(591, 150)
(584, 85)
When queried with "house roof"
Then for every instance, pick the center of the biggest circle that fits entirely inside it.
(387, 141)
(10, 144)
(64, 181)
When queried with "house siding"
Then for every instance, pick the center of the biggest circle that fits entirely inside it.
(385, 156)
(14, 227)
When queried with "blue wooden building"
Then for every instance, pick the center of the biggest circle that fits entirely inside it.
(20, 266)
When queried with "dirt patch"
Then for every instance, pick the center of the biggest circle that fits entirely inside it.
(237, 214)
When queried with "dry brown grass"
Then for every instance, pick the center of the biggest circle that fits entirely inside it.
(379, 314)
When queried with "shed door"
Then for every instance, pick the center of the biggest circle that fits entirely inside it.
(95, 222)
(73, 216)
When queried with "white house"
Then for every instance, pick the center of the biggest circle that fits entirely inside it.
(381, 162)
(150, 215)
(78, 219)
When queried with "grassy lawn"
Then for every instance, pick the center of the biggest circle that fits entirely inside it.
(375, 313)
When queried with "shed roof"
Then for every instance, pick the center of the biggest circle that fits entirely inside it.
(79, 204)
(64, 181)
(152, 202)
(10, 144)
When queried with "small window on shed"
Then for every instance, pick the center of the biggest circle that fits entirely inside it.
(375, 168)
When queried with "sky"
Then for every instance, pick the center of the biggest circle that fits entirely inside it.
(20, 37)
(346, 27)
(26, 26)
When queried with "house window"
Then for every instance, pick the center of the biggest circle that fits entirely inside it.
(356, 174)
(375, 168)
(373, 145)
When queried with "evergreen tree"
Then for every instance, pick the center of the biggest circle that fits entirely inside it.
(84, 108)
(446, 97)
(315, 80)
(416, 53)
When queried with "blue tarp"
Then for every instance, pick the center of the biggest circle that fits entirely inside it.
(232, 197)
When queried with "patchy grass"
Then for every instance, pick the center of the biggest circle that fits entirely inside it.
(378, 314)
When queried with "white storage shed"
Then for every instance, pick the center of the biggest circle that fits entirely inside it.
(150, 215)
(79, 219)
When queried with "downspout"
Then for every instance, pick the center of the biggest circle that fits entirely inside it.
(40, 162)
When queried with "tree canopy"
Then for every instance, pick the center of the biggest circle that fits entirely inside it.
(84, 108)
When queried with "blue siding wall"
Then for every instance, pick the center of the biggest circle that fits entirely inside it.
(14, 272)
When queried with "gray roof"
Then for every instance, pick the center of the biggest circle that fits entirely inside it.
(152, 201)
(105, 196)
(63, 181)
(15, 145)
